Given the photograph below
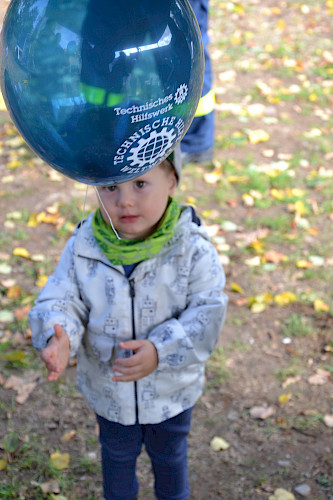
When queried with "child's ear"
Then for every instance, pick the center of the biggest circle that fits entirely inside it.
(172, 183)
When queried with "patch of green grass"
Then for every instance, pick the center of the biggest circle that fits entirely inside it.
(280, 223)
(217, 371)
(294, 369)
(297, 325)
(238, 320)
(303, 422)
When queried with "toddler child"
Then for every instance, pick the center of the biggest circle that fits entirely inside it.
(141, 304)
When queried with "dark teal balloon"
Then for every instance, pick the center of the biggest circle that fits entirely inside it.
(102, 90)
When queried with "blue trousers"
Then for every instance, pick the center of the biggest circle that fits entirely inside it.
(166, 445)
(200, 135)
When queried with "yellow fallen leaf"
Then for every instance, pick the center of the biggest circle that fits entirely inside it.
(14, 164)
(254, 261)
(258, 246)
(237, 178)
(320, 306)
(60, 461)
(212, 177)
(258, 135)
(281, 494)
(3, 464)
(191, 200)
(2, 103)
(41, 281)
(285, 298)
(33, 221)
(247, 200)
(299, 193)
(21, 252)
(14, 292)
(281, 24)
(219, 444)
(236, 288)
(304, 264)
(285, 398)
(278, 194)
(258, 307)
(300, 207)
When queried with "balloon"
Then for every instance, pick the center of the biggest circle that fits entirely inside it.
(102, 90)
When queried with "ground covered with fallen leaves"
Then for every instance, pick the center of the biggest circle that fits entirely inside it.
(263, 428)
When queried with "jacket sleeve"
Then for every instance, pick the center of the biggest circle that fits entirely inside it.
(59, 303)
(191, 337)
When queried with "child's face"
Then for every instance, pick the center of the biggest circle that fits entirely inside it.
(136, 206)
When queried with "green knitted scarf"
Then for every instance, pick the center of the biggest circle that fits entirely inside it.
(126, 252)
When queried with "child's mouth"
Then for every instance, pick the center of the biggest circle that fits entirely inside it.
(129, 218)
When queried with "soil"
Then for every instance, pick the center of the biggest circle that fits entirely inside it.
(290, 448)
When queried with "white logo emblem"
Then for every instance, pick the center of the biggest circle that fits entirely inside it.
(151, 149)
(181, 93)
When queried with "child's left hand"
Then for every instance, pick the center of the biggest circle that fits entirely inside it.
(140, 364)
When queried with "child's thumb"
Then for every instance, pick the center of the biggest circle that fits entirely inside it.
(58, 331)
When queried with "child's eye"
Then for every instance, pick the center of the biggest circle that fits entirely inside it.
(110, 189)
(140, 184)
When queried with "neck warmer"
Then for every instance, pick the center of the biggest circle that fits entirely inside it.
(124, 252)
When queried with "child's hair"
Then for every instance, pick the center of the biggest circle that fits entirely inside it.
(174, 161)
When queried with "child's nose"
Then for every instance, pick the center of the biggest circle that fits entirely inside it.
(125, 198)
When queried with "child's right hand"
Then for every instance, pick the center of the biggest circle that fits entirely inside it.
(56, 354)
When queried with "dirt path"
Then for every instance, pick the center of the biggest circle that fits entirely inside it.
(267, 200)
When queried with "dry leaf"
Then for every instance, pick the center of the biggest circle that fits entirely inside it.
(262, 412)
(22, 312)
(291, 380)
(23, 386)
(68, 436)
(321, 377)
(51, 486)
(274, 256)
(328, 420)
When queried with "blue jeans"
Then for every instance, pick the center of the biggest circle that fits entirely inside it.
(166, 445)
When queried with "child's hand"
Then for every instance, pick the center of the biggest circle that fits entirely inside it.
(140, 364)
(56, 354)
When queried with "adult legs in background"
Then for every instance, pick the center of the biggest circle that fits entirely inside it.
(198, 143)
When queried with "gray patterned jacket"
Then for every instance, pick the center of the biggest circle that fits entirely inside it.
(175, 300)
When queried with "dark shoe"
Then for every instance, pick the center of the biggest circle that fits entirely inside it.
(200, 157)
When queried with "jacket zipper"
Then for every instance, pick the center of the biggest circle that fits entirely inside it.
(132, 295)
